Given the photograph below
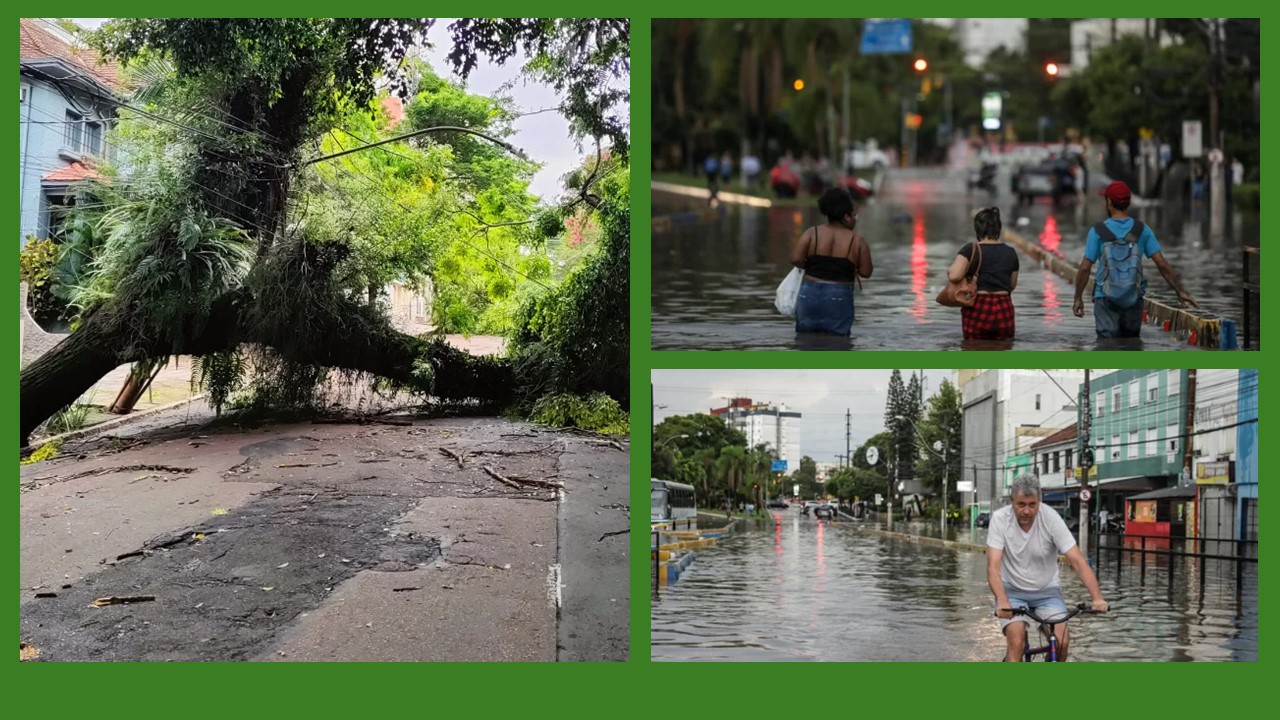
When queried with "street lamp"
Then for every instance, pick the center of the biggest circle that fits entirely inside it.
(921, 65)
(674, 437)
(1051, 69)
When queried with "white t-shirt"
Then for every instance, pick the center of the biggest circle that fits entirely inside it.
(1030, 560)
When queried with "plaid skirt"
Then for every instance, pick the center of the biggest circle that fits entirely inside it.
(990, 318)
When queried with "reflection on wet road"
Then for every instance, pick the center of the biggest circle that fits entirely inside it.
(714, 281)
(810, 590)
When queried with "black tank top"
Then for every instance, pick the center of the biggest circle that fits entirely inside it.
(829, 267)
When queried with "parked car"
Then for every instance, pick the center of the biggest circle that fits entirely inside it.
(824, 511)
(809, 505)
(777, 504)
(1055, 178)
(866, 156)
(984, 519)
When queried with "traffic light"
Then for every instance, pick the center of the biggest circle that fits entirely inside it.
(921, 65)
(798, 84)
(1051, 69)
(913, 121)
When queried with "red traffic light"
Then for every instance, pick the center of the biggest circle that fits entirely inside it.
(921, 65)
(1051, 69)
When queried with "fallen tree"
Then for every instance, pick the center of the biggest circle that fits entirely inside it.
(211, 266)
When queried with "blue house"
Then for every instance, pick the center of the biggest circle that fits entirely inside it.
(66, 107)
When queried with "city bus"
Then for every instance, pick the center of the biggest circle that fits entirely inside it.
(670, 501)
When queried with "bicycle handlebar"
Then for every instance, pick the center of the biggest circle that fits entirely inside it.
(1079, 609)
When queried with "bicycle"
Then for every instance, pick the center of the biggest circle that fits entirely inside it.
(1047, 626)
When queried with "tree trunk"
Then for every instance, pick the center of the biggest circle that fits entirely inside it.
(63, 374)
(356, 340)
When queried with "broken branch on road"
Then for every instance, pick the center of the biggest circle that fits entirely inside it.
(453, 455)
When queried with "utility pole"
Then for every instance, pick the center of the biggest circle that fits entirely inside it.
(1217, 186)
(1191, 428)
(1086, 463)
(848, 429)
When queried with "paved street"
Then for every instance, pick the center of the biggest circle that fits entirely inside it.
(328, 542)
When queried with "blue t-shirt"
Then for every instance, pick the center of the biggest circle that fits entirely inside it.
(1147, 243)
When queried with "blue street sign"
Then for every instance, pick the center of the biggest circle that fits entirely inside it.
(885, 37)
(779, 466)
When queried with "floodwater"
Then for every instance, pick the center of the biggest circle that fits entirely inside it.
(714, 279)
(807, 590)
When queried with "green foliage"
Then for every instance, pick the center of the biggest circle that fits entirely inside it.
(36, 263)
(584, 322)
(942, 423)
(47, 451)
(1247, 195)
(219, 375)
(596, 412)
(69, 419)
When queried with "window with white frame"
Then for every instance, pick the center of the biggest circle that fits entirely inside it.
(1171, 438)
(1174, 379)
(1153, 443)
(1115, 447)
(1100, 452)
(1115, 399)
(1068, 464)
(1133, 444)
(24, 92)
(1153, 387)
(419, 307)
(1134, 394)
(1099, 403)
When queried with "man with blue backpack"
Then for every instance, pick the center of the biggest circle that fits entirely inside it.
(1118, 245)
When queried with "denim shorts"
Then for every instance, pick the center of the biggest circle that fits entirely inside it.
(1113, 322)
(824, 308)
(1046, 604)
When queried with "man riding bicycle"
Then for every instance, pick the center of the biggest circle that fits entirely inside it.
(1023, 543)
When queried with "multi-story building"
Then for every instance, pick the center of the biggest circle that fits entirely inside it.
(1137, 432)
(66, 105)
(1088, 35)
(1054, 461)
(1005, 413)
(766, 424)
(978, 37)
(1224, 450)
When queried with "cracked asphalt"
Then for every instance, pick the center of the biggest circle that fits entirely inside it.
(338, 542)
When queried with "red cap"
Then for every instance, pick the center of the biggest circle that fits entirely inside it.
(1116, 191)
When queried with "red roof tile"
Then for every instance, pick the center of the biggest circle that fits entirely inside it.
(36, 41)
(74, 172)
(1061, 436)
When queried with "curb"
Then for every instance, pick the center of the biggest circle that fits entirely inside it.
(117, 422)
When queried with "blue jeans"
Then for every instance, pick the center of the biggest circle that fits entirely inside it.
(1113, 322)
(824, 308)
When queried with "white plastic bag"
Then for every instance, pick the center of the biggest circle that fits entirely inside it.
(788, 291)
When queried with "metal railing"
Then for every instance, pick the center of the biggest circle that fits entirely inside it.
(1245, 552)
(1252, 290)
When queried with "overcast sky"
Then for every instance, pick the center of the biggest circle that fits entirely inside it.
(822, 396)
(544, 136)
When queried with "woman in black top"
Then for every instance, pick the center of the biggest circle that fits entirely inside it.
(991, 317)
(832, 255)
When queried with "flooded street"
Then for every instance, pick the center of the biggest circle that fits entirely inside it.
(803, 590)
(714, 279)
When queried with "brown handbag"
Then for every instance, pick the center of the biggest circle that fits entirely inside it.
(964, 293)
